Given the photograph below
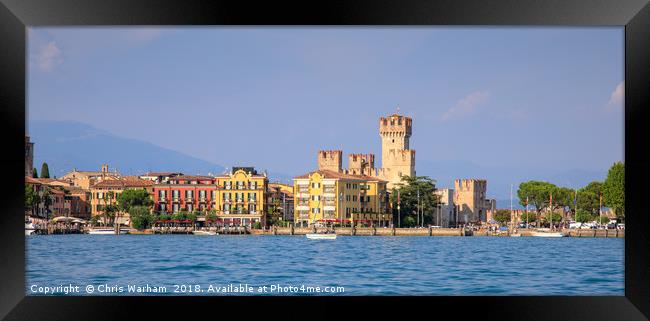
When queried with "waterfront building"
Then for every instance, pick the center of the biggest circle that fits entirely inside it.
(446, 208)
(29, 157)
(241, 196)
(331, 196)
(57, 202)
(106, 191)
(77, 202)
(86, 179)
(470, 200)
(160, 177)
(175, 193)
(280, 201)
(397, 159)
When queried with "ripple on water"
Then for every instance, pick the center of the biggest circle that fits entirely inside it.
(363, 265)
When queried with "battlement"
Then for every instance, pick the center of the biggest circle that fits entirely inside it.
(361, 160)
(395, 125)
(330, 160)
(469, 184)
(361, 164)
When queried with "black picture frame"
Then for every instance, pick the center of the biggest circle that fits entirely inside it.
(15, 15)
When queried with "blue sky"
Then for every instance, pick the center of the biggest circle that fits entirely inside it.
(526, 98)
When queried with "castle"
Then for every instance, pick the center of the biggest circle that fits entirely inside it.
(397, 159)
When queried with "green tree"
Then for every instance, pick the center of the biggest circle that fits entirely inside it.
(546, 219)
(141, 217)
(589, 197)
(538, 194)
(35, 173)
(45, 171)
(583, 216)
(409, 188)
(502, 216)
(211, 215)
(94, 220)
(408, 221)
(614, 189)
(134, 197)
(30, 198)
(180, 215)
(529, 217)
(109, 209)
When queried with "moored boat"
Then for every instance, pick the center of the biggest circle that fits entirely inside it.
(546, 234)
(29, 228)
(107, 231)
(316, 236)
(199, 232)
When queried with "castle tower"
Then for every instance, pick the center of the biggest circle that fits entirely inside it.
(361, 164)
(396, 158)
(330, 160)
(29, 157)
(471, 200)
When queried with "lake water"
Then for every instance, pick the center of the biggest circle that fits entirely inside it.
(361, 265)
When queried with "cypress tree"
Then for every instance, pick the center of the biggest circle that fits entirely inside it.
(45, 171)
(35, 173)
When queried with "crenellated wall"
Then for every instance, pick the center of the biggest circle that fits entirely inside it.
(330, 160)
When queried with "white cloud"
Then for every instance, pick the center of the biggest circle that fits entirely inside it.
(617, 97)
(48, 57)
(467, 106)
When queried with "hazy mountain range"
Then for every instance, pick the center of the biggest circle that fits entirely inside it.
(68, 145)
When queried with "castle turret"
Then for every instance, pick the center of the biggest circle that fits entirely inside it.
(361, 164)
(330, 160)
(396, 158)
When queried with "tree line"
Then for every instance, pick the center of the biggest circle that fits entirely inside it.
(587, 200)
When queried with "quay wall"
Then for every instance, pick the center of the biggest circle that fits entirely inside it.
(367, 231)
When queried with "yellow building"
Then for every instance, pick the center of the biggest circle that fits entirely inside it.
(329, 196)
(241, 196)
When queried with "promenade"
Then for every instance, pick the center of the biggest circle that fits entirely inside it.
(369, 231)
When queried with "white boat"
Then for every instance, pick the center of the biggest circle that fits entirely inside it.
(546, 234)
(29, 228)
(316, 236)
(107, 231)
(515, 235)
(199, 232)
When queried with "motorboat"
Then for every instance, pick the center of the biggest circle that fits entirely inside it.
(107, 231)
(200, 232)
(29, 228)
(317, 236)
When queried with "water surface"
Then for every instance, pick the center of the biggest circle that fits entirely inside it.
(361, 265)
